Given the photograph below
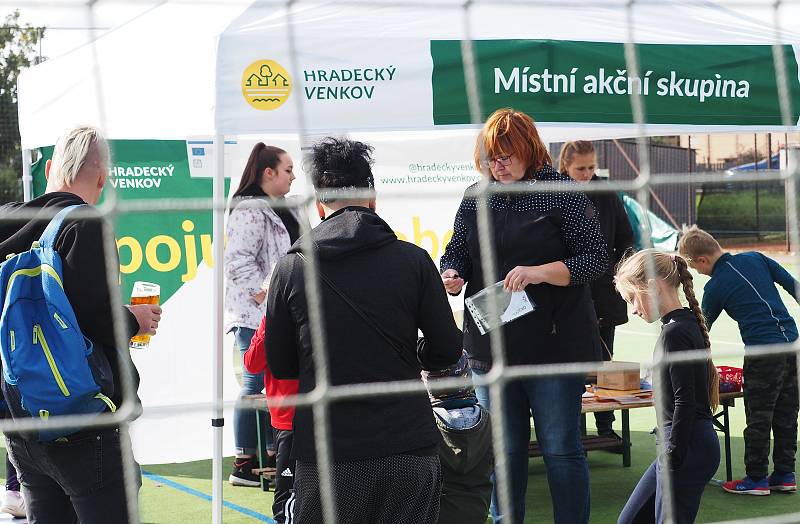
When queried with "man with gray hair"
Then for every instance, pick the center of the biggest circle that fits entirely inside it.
(78, 478)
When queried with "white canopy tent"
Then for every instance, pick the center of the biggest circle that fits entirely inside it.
(184, 70)
(155, 77)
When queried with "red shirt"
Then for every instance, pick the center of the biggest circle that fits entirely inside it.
(255, 360)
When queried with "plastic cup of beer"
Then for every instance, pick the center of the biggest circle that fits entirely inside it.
(144, 293)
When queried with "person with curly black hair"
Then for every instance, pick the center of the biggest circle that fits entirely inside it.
(377, 292)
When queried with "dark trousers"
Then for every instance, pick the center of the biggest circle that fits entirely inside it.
(604, 419)
(80, 480)
(398, 489)
(283, 503)
(770, 403)
(12, 482)
(646, 504)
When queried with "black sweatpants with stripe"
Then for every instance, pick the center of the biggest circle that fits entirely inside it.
(283, 504)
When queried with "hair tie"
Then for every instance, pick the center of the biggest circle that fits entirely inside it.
(672, 256)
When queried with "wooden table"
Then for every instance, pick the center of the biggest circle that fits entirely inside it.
(720, 420)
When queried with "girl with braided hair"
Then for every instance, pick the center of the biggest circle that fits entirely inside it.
(687, 391)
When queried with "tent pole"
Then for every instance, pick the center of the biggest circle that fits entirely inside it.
(758, 207)
(785, 194)
(692, 201)
(27, 179)
(217, 420)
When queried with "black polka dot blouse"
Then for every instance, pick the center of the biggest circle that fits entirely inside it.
(580, 228)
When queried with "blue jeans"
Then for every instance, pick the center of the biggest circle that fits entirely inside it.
(555, 404)
(244, 420)
(80, 479)
(646, 503)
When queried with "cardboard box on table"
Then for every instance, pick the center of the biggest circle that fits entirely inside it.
(618, 375)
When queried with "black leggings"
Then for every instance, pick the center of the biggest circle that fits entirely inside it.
(647, 504)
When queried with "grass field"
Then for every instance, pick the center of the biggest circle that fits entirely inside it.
(180, 493)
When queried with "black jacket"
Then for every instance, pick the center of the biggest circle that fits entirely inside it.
(532, 229)
(397, 285)
(609, 306)
(80, 245)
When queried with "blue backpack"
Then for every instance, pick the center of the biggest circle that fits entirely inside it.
(48, 366)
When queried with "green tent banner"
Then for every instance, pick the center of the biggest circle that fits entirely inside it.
(570, 81)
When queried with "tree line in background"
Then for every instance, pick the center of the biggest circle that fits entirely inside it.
(17, 51)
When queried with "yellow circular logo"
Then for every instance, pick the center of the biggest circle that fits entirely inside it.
(266, 85)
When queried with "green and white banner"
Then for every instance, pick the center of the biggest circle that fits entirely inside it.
(421, 84)
(563, 81)
(165, 247)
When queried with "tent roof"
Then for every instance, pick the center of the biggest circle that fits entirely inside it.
(155, 76)
(150, 78)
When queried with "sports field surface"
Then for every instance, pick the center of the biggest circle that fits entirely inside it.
(181, 493)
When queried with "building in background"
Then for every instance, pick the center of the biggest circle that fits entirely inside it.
(740, 214)
(723, 150)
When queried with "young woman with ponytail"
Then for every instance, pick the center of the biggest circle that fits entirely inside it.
(579, 161)
(687, 391)
(258, 233)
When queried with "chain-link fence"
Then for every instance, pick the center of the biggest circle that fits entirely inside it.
(670, 189)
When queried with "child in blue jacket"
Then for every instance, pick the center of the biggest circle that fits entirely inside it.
(743, 286)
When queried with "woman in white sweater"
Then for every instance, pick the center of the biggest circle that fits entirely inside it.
(259, 231)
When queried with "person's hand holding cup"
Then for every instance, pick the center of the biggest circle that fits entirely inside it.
(144, 306)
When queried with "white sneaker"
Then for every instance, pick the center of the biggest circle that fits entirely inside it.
(13, 503)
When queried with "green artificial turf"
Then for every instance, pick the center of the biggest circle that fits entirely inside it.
(610, 486)
(156, 497)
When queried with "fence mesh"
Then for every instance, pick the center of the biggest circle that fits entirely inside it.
(665, 179)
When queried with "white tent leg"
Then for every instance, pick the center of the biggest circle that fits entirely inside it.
(27, 179)
(218, 200)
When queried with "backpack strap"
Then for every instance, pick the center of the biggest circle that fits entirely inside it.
(48, 238)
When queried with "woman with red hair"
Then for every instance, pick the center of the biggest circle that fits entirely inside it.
(547, 243)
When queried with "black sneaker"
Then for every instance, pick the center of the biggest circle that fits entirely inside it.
(242, 474)
(610, 433)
